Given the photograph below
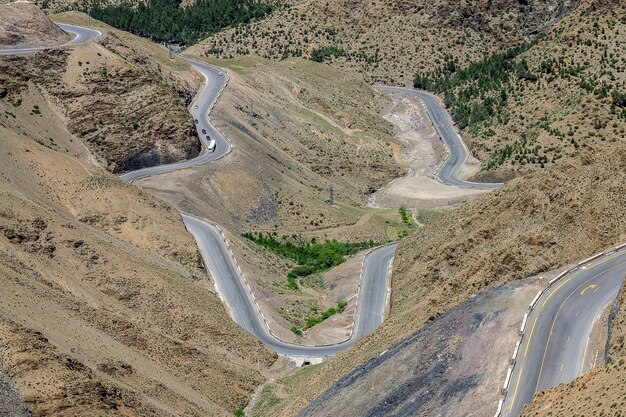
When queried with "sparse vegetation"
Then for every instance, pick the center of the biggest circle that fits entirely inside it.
(428, 216)
(313, 320)
(101, 181)
(406, 216)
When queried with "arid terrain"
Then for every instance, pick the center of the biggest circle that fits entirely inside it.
(293, 137)
(116, 99)
(387, 41)
(25, 24)
(533, 224)
(105, 307)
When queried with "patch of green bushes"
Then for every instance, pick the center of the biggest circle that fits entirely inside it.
(311, 257)
(168, 20)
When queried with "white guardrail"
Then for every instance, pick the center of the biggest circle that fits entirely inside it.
(256, 303)
(509, 372)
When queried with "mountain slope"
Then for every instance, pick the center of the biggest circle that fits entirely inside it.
(105, 308)
(387, 41)
(26, 24)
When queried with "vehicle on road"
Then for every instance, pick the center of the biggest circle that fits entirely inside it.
(195, 107)
(195, 121)
(220, 73)
(212, 145)
(204, 131)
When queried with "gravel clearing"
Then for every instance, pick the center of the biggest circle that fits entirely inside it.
(11, 404)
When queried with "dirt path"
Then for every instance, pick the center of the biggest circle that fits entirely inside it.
(423, 152)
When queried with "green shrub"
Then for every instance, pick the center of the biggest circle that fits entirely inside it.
(311, 257)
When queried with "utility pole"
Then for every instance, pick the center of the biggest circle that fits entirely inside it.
(88, 17)
(331, 195)
(169, 48)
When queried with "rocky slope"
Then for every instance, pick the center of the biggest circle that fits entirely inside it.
(533, 224)
(24, 24)
(113, 97)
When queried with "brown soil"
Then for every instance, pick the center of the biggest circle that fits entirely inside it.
(24, 25)
(104, 308)
(113, 98)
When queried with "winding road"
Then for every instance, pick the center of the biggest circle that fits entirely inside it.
(245, 310)
(213, 86)
(230, 283)
(449, 171)
(81, 35)
(555, 347)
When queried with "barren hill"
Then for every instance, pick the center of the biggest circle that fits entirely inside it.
(25, 24)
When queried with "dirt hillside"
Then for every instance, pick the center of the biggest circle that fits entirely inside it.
(116, 95)
(104, 307)
(533, 224)
(24, 24)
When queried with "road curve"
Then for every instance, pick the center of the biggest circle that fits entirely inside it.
(214, 84)
(555, 348)
(81, 35)
(245, 311)
(231, 285)
(449, 171)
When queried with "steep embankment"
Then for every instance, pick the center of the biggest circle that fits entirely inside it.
(533, 224)
(604, 386)
(387, 41)
(25, 24)
(115, 98)
(104, 308)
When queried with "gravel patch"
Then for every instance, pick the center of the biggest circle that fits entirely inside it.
(11, 404)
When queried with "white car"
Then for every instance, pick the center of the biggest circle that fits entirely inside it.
(220, 73)
(195, 107)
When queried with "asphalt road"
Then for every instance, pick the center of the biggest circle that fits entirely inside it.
(555, 348)
(81, 35)
(245, 312)
(205, 100)
(450, 170)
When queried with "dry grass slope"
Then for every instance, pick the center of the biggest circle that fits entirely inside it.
(104, 307)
